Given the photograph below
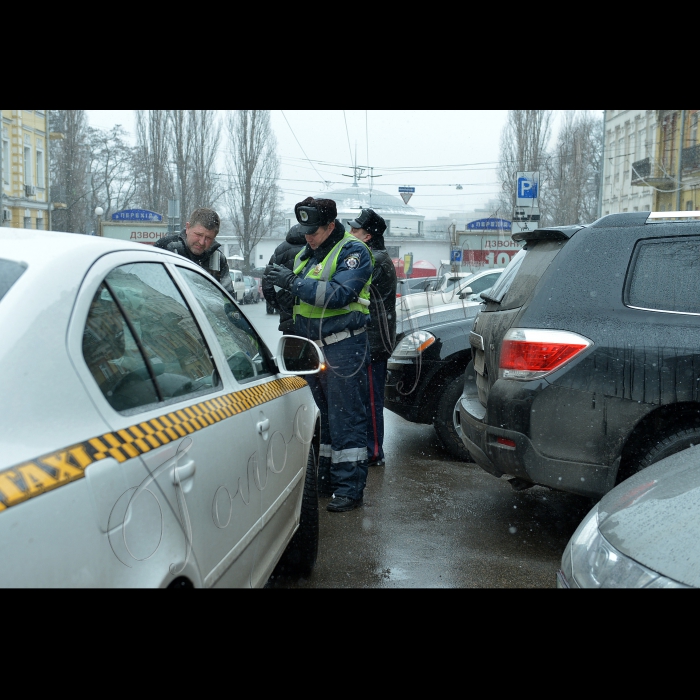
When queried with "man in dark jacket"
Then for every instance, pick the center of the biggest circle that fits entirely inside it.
(196, 243)
(330, 283)
(369, 227)
(282, 299)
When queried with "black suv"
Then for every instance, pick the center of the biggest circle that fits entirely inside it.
(425, 373)
(586, 362)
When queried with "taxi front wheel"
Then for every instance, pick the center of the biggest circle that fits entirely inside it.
(300, 556)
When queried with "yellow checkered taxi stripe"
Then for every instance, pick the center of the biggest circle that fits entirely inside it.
(45, 473)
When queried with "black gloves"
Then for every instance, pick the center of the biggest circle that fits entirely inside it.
(281, 276)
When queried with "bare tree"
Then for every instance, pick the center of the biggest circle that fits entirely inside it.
(181, 136)
(253, 196)
(151, 170)
(111, 167)
(195, 136)
(573, 175)
(524, 143)
(69, 171)
(205, 184)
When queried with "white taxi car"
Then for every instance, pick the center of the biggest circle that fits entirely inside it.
(149, 437)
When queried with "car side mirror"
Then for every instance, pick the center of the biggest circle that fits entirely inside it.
(297, 355)
(465, 293)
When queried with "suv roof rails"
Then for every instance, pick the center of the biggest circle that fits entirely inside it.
(622, 220)
(656, 215)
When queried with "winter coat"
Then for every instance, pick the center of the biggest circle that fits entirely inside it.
(281, 299)
(212, 260)
(354, 267)
(382, 328)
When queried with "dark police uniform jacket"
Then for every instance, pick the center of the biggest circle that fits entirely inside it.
(382, 328)
(281, 299)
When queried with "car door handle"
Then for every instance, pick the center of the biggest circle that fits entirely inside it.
(184, 471)
(263, 425)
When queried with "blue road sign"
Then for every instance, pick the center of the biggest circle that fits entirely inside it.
(456, 255)
(407, 189)
(527, 188)
(136, 215)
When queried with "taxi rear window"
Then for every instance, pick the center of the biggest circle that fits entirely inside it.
(10, 272)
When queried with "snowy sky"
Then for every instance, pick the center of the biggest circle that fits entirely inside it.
(433, 151)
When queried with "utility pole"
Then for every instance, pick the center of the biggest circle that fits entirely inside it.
(174, 206)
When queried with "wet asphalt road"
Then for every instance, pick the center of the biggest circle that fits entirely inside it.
(430, 521)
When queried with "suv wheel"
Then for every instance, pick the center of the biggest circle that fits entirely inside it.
(670, 444)
(447, 420)
(300, 556)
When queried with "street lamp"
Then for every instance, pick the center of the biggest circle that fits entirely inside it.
(98, 213)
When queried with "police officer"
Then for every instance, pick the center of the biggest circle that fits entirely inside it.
(281, 299)
(369, 227)
(330, 282)
(196, 242)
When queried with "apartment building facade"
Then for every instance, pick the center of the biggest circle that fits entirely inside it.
(630, 138)
(24, 163)
(674, 168)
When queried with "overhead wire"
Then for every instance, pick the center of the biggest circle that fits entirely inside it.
(348, 135)
(300, 146)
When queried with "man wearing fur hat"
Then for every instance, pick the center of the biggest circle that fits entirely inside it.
(330, 283)
(369, 227)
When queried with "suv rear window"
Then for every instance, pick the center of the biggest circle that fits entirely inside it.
(519, 279)
(10, 272)
(665, 275)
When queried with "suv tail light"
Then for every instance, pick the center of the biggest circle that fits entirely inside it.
(531, 353)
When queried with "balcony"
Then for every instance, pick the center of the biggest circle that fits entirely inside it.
(690, 159)
(646, 173)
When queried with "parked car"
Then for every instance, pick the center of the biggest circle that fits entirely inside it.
(152, 438)
(468, 288)
(425, 373)
(586, 362)
(414, 285)
(642, 534)
(448, 280)
(251, 295)
(238, 285)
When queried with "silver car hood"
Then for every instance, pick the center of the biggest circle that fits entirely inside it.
(654, 517)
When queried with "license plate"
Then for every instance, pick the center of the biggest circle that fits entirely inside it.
(479, 362)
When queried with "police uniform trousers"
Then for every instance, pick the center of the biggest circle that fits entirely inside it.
(376, 377)
(340, 392)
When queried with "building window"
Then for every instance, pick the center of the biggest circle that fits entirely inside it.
(420, 228)
(27, 161)
(27, 222)
(40, 224)
(693, 129)
(689, 205)
(40, 164)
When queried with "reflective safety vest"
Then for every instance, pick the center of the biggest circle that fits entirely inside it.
(323, 272)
